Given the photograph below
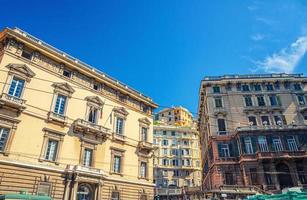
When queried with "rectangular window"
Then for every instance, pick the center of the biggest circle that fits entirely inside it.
(16, 87)
(221, 126)
(287, 85)
(292, 143)
(265, 120)
(4, 135)
(278, 120)
(92, 116)
(269, 87)
(218, 102)
(267, 174)
(26, 54)
(175, 152)
(297, 86)
(257, 87)
(165, 142)
(143, 170)
(67, 73)
(216, 89)
(248, 145)
(252, 120)
(51, 151)
(245, 88)
(176, 173)
(248, 101)
(224, 150)
(60, 104)
(115, 196)
(301, 99)
(87, 157)
(277, 144)
(117, 164)
(144, 134)
(229, 178)
(119, 126)
(165, 151)
(263, 145)
(261, 101)
(275, 100)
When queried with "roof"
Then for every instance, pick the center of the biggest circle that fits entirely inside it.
(63, 55)
(252, 76)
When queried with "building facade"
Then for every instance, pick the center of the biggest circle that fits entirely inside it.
(177, 170)
(68, 130)
(253, 132)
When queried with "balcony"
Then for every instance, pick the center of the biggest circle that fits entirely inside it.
(57, 118)
(12, 102)
(84, 170)
(281, 154)
(87, 127)
(168, 191)
(119, 137)
(270, 128)
(220, 111)
(144, 145)
(263, 108)
(226, 159)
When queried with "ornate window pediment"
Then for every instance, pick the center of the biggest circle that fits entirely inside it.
(121, 110)
(22, 70)
(63, 88)
(144, 121)
(95, 100)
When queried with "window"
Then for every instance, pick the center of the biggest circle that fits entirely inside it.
(248, 101)
(51, 151)
(254, 177)
(16, 87)
(117, 164)
(301, 172)
(216, 89)
(144, 134)
(277, 85)
(187, 182)
(223, 150)
(143, 170)
(252, 120)
(95, 86)
(115, 196)
(261, 101)
(287, 85)
(275, 100)
(173, 133)
(67, 73)
(165, 162)
(26, 54)
(165, 151)
(267, 174)
(263, 145)
(176, 173)
(165, 142)
(292, 143)
(119, 126)
(175, 162)
(175, 152)
(297, 86)
(164, 133)
(265, 120)
(269, 87)
(277, 144)
(245, 87)
(60, 104)
(87, 157)
(174, 142)
(229, 178)
(218, 102)
(301, 99)
(4, 135)
(278, 120)
(92, 116)
(221, 126)
(257, 87)
(248, 145)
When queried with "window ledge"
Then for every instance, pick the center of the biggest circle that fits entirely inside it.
(48, 161)
(116, 173)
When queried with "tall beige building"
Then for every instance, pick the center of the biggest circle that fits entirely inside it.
(68, 130)
(253, 130)
(177, 170)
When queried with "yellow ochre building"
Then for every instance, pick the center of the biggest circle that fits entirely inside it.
(68, 130)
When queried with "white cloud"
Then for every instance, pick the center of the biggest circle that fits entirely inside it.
(257, 37)
(266, 21)
(286, 59)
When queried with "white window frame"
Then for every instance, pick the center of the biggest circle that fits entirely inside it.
(263, 144)
(292, 144)
(277, 143)
(248, 145)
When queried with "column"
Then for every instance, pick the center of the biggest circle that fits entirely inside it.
(74, 190)
(294, 174)
(67, 189)
(261, 176)
(244, 178)
(274, 176)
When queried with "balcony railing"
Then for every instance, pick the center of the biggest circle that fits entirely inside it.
(226, 159)
(168, 191)
(84, 169)
(88, 127)
(145, 145)
(271, 127)
(13, 102)
(52, 116)
(280, 154)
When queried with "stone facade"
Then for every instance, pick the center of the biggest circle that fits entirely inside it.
(68, 130)
(253, 130)
(177, 169)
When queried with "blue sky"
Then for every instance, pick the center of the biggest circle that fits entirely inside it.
(164, 48)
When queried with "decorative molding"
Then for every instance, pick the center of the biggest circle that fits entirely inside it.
(64, 88)
(145, 121)
(95, 99)
(120, 110)
(22, 70)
